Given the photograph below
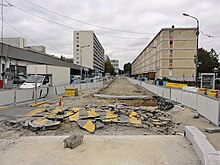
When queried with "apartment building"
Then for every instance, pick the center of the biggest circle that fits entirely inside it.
(18, 42)
(170, 54)
(115, 64)
(88, 51)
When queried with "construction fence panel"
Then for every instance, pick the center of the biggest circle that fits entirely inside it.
(149, 87)
(160, 91)
(88, 85)
(209, 108)
(6, 97)
(44, 92)
(189, 99)
(176, 95)
(167, 93)
(77, 86)
(69, 86)
(60, 90)
(24, 95)
(82, 86)
(144, 85)
(52, 91)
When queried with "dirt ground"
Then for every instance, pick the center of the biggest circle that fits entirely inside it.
(120, 86)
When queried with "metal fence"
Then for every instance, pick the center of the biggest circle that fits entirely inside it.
(15, 96)
(206, 106)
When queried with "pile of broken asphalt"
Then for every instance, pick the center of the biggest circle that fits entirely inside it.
(93, 117)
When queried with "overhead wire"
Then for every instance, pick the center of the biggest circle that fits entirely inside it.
(210, 36)
(69, 27)
(24, 35)
(83, 22)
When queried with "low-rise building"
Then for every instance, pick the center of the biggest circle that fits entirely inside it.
(170, 54)
(15, 41)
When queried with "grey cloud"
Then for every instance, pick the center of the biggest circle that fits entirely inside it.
(139, 16)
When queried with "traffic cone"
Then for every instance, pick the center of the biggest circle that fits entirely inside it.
(60, 101)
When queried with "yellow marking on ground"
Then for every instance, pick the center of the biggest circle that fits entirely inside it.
(157, 123)
(133, 114)
(34, 112)
(75, 109)
(112, 120)
(2, 107)
(74, 117)
(89, 126)
(68, 114)
(110, 115)
(92, 113)
(134, 120)
(37, 104)
(41, 121)
(53, 113)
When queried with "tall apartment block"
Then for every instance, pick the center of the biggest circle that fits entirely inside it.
(115, 64)
(88, 51)
(170, 54)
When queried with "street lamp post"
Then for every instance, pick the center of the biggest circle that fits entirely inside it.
(81, 58)
(197, 44)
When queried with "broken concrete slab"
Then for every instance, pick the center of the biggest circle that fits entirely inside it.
(43, 124)
(121, 97)
(87, 125)
(212, 130)
(99, 124)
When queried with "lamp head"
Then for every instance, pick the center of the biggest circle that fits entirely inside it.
(185, 14)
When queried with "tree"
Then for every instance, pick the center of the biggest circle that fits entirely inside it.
(108, 67)
(127, 69)
(208, 60)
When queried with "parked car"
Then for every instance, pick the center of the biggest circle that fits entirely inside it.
(19, 79)
(76, 81)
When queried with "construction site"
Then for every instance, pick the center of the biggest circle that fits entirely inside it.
(117, 123)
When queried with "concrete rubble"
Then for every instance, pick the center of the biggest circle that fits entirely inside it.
(93, 117)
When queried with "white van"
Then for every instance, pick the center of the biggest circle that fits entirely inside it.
(42, 81)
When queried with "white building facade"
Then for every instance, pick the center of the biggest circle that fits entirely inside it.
(88, 51)
(115, 64)
(18, 42)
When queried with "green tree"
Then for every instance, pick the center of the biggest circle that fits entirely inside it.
(127, 69)
(208, 60)
(108, 67)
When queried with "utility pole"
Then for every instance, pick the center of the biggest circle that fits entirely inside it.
(7, 61)
(197, 45)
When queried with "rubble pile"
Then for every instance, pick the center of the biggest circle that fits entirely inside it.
(92, 117)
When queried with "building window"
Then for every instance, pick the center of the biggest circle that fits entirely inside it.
(77, 49)
(170, 72)
(171, 42)
(170, 32)
(170, 61)
(171, 53)
(77, 37)
(77, 45)
(77, 62)
(77, 33)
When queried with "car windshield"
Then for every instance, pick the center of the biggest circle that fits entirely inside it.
(31, 79)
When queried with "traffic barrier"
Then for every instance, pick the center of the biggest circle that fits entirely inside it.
(24, 95)
(212, 93)
(209, 107)
(8, 97)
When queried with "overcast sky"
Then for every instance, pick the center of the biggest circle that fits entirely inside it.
(142, 18)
